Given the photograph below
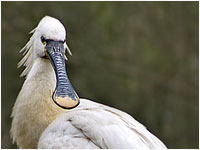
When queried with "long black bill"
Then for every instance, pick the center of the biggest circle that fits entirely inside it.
(64, 94)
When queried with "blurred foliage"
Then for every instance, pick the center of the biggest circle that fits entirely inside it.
(140, 57)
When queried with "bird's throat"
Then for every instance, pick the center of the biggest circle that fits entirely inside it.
(34, 109)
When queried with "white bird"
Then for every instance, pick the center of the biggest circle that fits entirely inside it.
(49, 114)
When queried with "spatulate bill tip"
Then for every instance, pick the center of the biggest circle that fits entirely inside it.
(66, 102)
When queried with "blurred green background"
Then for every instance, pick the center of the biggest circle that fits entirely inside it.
(140, 57)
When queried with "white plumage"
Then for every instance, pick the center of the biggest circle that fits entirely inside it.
(39, 123)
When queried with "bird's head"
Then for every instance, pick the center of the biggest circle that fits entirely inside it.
(49, 29)
(49, 42)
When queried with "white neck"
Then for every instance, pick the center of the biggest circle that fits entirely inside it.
(34, 109)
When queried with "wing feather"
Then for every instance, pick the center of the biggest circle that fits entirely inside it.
(101, 126)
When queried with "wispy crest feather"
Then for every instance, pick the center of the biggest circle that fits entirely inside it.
(27, 60)
(27, 50)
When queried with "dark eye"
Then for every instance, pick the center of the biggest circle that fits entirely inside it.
(43, 40)
(62, 41)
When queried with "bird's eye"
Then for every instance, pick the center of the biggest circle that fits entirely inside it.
(43, 40)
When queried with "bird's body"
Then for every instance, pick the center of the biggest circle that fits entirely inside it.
(93, 125)
(38, 122)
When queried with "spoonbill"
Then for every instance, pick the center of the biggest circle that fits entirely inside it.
(48, 112)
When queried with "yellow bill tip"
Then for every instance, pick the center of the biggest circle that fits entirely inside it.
(66, 102)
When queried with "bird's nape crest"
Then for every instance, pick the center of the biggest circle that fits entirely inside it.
(27, 60)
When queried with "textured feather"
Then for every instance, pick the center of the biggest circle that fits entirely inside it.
(93, 125)
(67, 47)
(27, 60)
